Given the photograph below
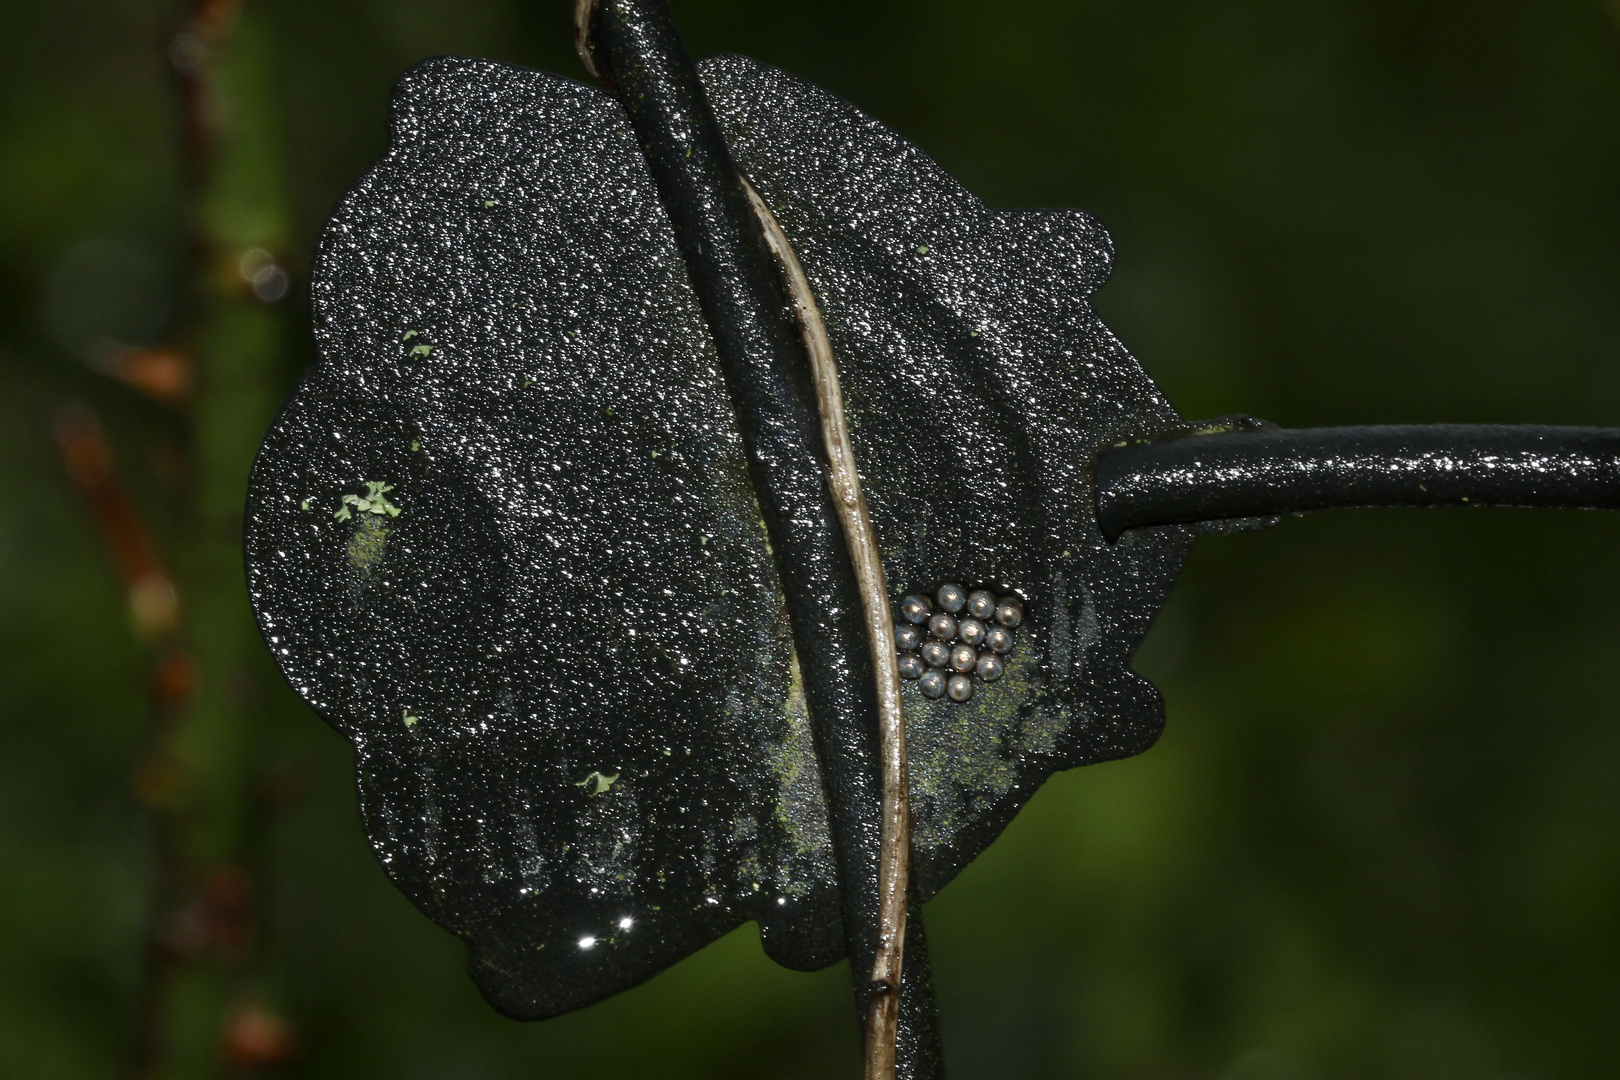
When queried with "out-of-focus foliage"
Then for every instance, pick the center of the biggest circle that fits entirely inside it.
(1381, 834)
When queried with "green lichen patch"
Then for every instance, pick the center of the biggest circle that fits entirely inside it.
(367, 544)
(960, 753)
(374, 501)
(596, 782)
(792, 757)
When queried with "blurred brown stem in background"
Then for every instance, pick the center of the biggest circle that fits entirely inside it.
(201, 1007)
(154, 608)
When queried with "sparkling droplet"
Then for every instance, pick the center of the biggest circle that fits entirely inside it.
(951, 598)
(936, 653)
(1010, 613)
(933, 684)
(971, 631)
(980, 604)
(990, 667)
(915, 609)
(999, 639)
(942, 626)
(912, 666)
(960, 688)
(963, 658)
(907, 637)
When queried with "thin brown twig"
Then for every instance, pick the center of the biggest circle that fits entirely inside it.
(202, 909)
(584, 12)
(843, 481)
(894, 868)
(154, 607)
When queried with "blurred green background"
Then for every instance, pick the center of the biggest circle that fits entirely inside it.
(1381, 834)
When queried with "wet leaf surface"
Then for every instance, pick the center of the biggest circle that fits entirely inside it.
(503, 539)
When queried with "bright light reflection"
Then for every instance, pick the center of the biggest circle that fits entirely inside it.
(586, 942)
(624, 923)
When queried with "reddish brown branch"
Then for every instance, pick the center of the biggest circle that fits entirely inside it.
(154, 607)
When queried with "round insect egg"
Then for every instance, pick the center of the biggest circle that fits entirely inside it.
(932, 684)
(951, 598)
(971, 631)
(912, 667)
(960, 688)
(907, 637)
(981, 604)
(999, 639)
(936, 653)
(1009, 613)
(989, 667)
(942, 626)
(963, 657)
(915, 609)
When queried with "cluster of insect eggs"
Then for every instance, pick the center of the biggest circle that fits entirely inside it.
(944, 650)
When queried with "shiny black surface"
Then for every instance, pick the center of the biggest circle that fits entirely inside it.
(577, 582)
(1259, 473)
(980, 386)
(579, 585)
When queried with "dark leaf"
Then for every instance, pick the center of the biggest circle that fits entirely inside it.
(503, 538)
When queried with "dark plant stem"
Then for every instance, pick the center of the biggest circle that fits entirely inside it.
(1262, 473)
(632, 45)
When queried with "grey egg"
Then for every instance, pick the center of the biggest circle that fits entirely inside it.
(999, 639)
(971, 631)
(980, 604)
(942, 626)
(963, 658)
(915, 609)
(990, 667)
(1010, 613)
(936, 653)
(907, 637)
(951, 598)
(911, 666)
(933, 684)
(960, 688)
